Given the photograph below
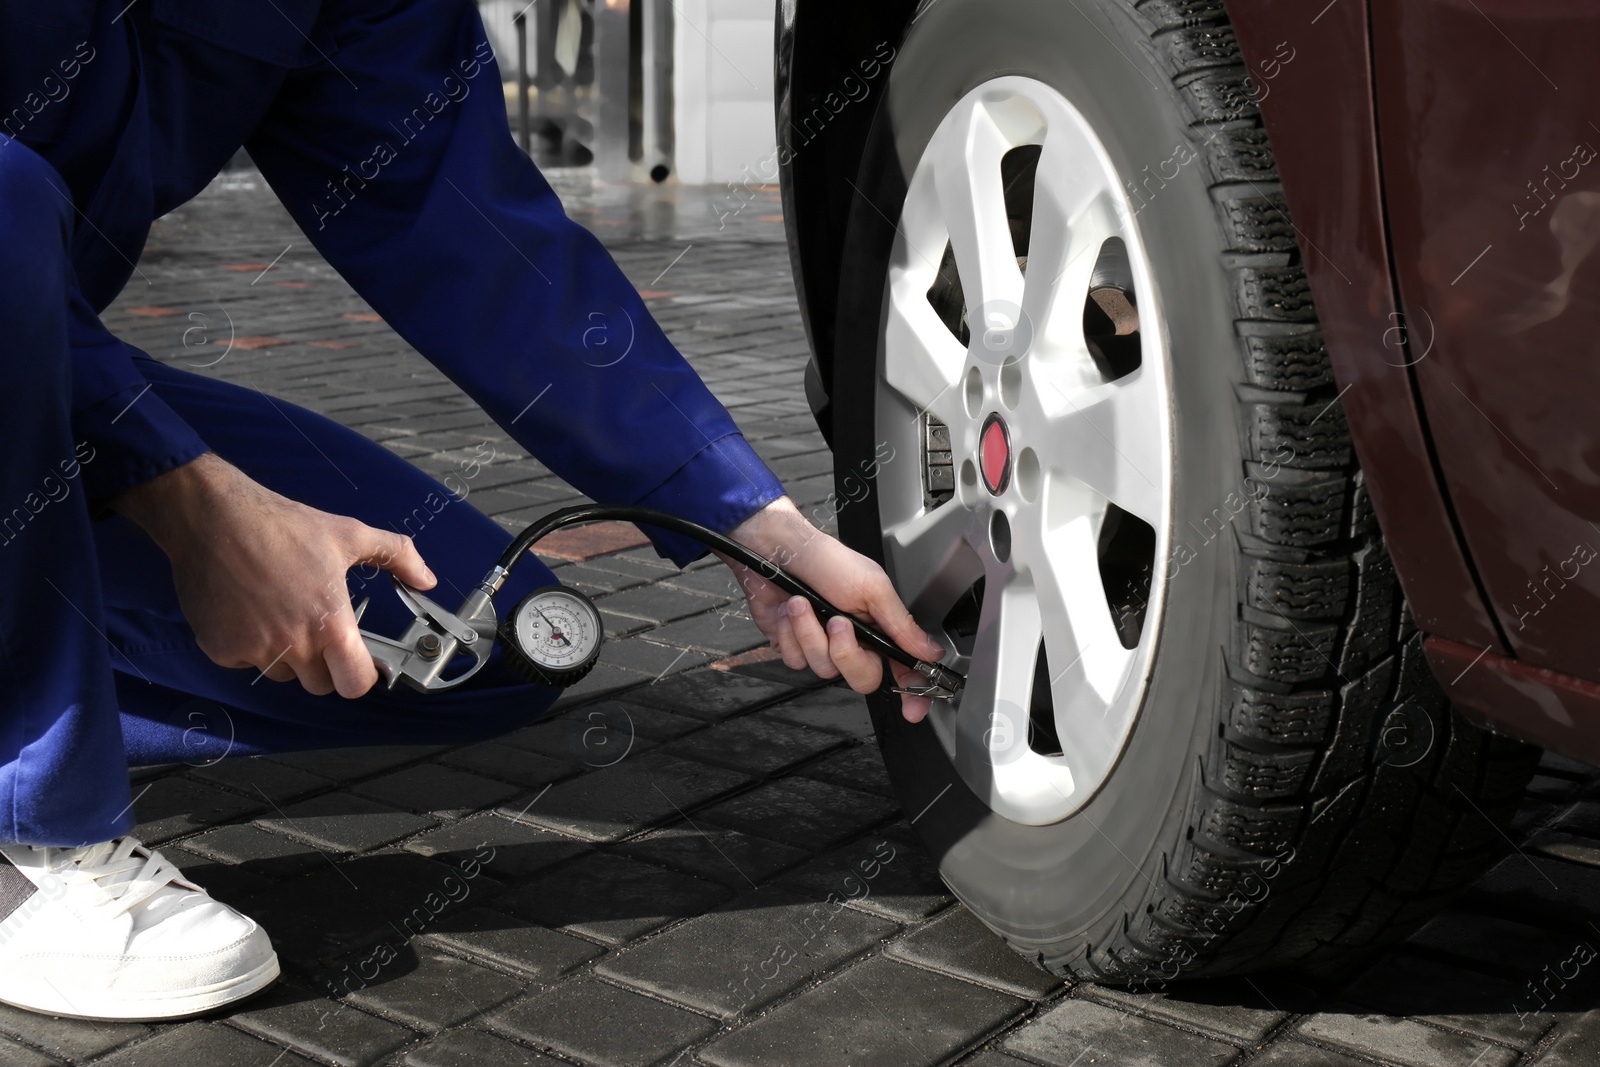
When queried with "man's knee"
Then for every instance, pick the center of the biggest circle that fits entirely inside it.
(35, 223)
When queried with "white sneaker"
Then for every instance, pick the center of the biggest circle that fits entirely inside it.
(113, 931)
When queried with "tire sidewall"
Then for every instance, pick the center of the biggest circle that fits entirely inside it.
(1055, 888)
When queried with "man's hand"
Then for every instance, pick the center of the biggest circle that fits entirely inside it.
(851, 582)
(261, 578)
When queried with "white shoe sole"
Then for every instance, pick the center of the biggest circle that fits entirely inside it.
(152, 1007)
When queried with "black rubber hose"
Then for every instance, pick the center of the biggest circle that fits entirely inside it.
(585, 513)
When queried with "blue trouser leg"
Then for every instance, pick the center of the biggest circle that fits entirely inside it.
(63, 777)
(177, 706)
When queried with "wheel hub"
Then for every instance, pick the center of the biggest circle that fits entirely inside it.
(994, 451)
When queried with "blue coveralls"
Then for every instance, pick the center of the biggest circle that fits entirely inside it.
(381, 126)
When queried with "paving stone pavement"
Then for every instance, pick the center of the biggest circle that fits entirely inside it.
(608, 886)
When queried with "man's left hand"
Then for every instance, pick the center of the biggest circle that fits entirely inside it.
(851, 582)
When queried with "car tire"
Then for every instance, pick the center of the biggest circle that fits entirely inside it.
(1281, 780)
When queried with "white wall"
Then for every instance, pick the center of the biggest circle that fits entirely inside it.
(722, 88)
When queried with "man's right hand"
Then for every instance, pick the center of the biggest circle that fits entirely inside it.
(261, 578)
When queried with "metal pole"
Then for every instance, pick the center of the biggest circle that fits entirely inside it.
(524, 122)
(611, 78)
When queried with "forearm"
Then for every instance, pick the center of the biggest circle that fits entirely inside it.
(172, 507)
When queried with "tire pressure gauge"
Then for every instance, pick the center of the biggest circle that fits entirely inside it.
(554, 635)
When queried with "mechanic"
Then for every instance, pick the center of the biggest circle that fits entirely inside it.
(170, 540)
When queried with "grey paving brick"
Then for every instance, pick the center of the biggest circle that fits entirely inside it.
(1500, 945)
(267, 853)
(748, 952)
(255, 775)
(755, 744)
(1536, 889)
(858, 767)
(729, 857)
(436, 992)
(1401, 1041)
(1564, 846)
(475, 1048)
(641, 654)
(602, 1024)
(346, 764)
(1234, 1009)
(878, 1013)
(1576, 1044)
(619, 626)
(716, 582)
(513, 943)
(595, 581)
(611, 898)
(635, 794)
(344, 822)
(636, 717)
(238, 886)
(722, 631)
(392, 895)
(802, 812)
(596, 735)
(335, 1033)
(958, 944)
(1551, 788)
(631, 565)
(656, 603)
(1501, 1009)
(710, 695)
(211, 1044)
(170, 807)
(67, 1039)
(517, 849)
(1296, 1054)
(989, 1057)
(833, 707)
(887, 873)
(603, 681)
(773, 670)
(1081, 1031)
(13, 1054)
(431, 789)
(494, 760)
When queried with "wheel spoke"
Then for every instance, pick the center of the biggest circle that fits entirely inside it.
(992, 721)
(1070, 226)
(933, 566)
(922, 358)
(1109, 437)
(972, 199)
(1087, 660)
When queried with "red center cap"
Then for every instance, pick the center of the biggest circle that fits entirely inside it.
(995, 454)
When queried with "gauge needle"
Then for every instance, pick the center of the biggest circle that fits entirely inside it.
(553, 631)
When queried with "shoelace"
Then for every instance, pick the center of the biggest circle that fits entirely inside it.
(125, 870)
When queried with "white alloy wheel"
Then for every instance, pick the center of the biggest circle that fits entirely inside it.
(1055, 450)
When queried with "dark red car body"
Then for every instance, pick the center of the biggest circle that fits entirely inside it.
(1441, 160)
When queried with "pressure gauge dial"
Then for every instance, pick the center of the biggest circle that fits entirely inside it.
(553, 636)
